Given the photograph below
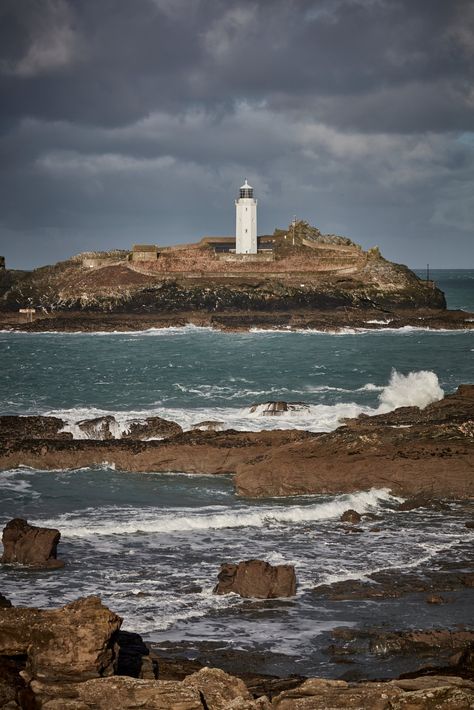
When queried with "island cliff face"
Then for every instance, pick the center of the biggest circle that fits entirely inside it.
(302, 270)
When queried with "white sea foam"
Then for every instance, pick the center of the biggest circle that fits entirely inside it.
(414, 389)
(116, 521)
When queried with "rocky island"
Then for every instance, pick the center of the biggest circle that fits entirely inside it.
(299, 278)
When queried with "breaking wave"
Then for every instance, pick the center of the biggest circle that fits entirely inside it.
(125, 521)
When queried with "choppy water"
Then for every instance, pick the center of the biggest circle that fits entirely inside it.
(151, 544)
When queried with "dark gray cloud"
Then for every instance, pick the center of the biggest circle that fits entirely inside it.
(130, 121)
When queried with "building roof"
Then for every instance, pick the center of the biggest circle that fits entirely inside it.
(217, 240)
(246, 186)
(144, 247)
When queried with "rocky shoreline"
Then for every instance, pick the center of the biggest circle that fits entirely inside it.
(407, 450)
(78, 658)
(325, 320)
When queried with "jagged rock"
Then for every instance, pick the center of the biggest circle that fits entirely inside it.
(209, 688)
(98, 428)
(152, 428)
(426, 641)
(73, 643)
(210, 425)
(450, 693)
(30, 545)
(350, 516)
(32, 427)
(257, 579)
(421, 500)
(273, 409)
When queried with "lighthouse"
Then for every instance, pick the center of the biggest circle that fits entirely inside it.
(246, 221)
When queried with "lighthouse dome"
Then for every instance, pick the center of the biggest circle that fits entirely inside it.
(246, 190)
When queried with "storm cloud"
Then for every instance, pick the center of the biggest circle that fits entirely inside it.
(125, 122)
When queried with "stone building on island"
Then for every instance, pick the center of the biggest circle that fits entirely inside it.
(144, 252)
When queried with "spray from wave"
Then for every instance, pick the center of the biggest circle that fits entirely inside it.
(417, 389)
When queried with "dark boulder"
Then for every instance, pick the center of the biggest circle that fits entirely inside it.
(30, 545)
(152, 428)
(422, 500)
(351, 516)
(134, 657)
(4, 602)
(32, 427)
(257, 579)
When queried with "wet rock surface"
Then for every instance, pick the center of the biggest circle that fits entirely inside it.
(431, 453)
(152, 428)
(190, 452)
(351, 516)
(322, 318)
(274, 409)
(30, 545)
(256, 579)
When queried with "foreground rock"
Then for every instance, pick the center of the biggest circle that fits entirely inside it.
(73, 643)
(30, 545)
(208, 689)
(68, 659)
(257, 579)
(450, 693)
(63, 659)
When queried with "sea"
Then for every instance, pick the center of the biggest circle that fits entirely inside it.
(151, 544)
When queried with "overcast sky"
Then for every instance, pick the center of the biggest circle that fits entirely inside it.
(129, 121)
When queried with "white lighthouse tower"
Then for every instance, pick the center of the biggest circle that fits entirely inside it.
(246, 221)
